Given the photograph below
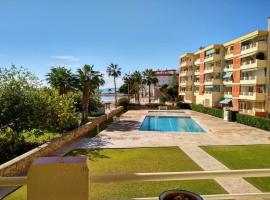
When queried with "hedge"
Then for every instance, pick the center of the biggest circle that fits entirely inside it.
(258, 122)
(210, 111)
(183, 105)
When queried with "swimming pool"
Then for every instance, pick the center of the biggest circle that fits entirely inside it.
(170, 124)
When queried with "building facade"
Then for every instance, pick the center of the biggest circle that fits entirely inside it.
(235, 74)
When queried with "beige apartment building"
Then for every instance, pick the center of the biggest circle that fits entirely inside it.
(235, 74)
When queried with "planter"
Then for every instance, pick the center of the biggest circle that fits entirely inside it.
(179, 195)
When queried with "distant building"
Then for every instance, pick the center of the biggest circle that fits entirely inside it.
(165, 76)
(235, 74)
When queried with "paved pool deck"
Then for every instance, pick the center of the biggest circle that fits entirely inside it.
(126, 134)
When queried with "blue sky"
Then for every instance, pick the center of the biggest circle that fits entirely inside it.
(136, 34)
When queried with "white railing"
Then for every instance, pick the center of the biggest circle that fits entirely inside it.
(245, 47)
(165, 176)
(247, 78)
(248, 62)
(247, 93)
(227, 93)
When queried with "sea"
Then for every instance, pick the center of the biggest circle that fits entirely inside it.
(106, 99)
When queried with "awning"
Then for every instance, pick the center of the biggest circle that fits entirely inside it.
(227, 75)
(225, 101)
(248, 70)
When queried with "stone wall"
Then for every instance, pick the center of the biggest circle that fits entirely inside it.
(20, 164)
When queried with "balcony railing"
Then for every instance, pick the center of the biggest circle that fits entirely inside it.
(247, 93)
(31, 181)
(227, 93)
(261, 46)
(244, 78)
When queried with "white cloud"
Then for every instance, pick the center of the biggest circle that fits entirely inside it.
(72, 58)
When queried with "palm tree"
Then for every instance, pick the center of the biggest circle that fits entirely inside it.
(114, 71)
(149, 79)
(137, 84)
(61, 78)
(88, 81)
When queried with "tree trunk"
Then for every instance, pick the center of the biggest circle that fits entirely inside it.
(149, 96)
(85, 104)
(115, 94)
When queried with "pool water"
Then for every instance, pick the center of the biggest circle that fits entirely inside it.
(170, 124)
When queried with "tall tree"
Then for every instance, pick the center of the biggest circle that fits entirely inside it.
(88, 80)
(114, 71)
(149, 78)
(137, 84)
(61, 79)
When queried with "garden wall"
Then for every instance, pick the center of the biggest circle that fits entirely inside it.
(20, 164)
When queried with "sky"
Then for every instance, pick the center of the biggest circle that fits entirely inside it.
(135, 34)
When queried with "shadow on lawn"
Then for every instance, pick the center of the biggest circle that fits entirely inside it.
(92, 154)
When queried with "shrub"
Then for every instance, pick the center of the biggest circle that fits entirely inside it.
(258, 122)
(124, 101)
(183, 105)
(210, 111)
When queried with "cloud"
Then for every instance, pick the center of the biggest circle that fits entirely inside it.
(71, 58)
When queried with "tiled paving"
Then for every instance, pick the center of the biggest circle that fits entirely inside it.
(125, 134)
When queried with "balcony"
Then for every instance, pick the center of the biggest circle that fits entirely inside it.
(212, 81)
(197, 62)
(197, 72)
(253, 80)
(183, 73)
(197, 82)
(253, 47)
(227, 82)
(214, 57)
(229, 56)
(227, 94)
(254, 64)
(183, 83)
(211, 69)
(185, 63)
(252, 96)
(182, 92)
(228, 67)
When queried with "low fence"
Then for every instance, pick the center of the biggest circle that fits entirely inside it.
(20, 164)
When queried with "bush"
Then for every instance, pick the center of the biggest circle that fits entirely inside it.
(258, 122)
(183, 105)
(124, 101)
(53, 112)
(210, 111)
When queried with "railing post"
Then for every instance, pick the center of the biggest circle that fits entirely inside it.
(58, 178)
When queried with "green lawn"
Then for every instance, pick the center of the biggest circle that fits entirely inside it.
(244, 157)
(139, 160)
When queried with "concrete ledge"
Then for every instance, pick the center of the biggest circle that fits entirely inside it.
(20, 164)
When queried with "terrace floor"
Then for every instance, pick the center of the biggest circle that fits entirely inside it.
(125, 134)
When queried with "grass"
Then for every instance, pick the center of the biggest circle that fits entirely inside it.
(138, 160)
(244, 157)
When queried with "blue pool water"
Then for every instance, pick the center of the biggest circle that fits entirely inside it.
(170, 124)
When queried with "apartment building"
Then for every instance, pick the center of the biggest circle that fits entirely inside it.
(235, 74)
